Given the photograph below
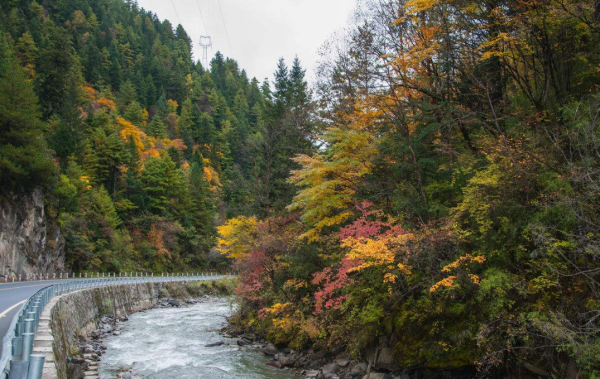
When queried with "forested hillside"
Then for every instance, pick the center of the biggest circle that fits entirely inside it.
(452, 212)
(140, 150)
(437, 196)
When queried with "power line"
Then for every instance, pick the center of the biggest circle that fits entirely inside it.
(202, 17)
(176, 14)
(225, 26)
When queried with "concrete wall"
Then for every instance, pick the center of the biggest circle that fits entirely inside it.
(72, 317)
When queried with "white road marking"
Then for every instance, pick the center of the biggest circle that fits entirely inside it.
(10, 309)
(14, 288)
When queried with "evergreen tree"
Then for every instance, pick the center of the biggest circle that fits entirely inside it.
(157, 128)
(53, 67)
(25, 161)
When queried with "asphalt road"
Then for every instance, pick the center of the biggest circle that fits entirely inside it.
(13, 295)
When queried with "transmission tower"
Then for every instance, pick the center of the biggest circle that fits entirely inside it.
(206, 43)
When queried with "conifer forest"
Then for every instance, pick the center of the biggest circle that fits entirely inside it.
(438, 181)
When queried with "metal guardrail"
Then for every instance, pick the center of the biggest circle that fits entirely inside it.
(18, 362)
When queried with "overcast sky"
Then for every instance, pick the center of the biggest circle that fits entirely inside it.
(260, 31)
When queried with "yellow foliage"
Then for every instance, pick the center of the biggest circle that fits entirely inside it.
(328, 181)
(416, 6)
(212, 178)
(128, 130)
(237, 236)
(446, 282)
(86, 179)
(462, 262)
(381, 252)
(277, 308)
(172, 105)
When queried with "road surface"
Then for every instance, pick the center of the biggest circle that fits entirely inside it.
(13, 295)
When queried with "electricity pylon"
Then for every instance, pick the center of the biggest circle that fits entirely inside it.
(206, 43)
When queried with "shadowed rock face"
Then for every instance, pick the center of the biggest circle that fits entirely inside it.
(29, 242)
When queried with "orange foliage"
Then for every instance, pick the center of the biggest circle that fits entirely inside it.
(89, 92)
(155, 235)
(106, 103)
(178, 144)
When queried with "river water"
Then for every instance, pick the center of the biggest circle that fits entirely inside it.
(169, 343)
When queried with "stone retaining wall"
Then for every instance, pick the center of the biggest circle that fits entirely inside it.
(72, 317)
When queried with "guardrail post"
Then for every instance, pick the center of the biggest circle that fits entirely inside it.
(18, 369)
(27, 346)
(29, 322)
(36, 366)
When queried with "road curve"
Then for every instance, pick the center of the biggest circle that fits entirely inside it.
(13, 295)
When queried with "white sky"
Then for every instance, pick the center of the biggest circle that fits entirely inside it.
(260, 31)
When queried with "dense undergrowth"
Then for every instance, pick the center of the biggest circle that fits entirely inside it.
(453, 202)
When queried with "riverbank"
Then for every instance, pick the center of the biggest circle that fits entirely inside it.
(337, 363)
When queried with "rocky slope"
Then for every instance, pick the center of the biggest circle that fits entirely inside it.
(29, 241)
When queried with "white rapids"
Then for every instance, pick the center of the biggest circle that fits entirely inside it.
(169, 343)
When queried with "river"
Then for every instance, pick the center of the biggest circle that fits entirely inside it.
(169, 343)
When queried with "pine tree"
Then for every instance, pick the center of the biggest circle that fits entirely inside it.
(25, 161)
(157, 128)
(26, 51)
(282, 83)
(53, 65)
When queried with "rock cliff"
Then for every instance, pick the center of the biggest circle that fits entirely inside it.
(29, 242)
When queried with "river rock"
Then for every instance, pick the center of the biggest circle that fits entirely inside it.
(358, 369)
(275, 364)
(243, 342)
(213, 344)
(377, 375)
(270, 350)
(287, 360)
(313, 374)
(174, 303)
(330, 369)
(342, 362)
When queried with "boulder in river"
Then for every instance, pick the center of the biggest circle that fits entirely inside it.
(270, 350)
(287, 360)
(213, 344)
(243, 342)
